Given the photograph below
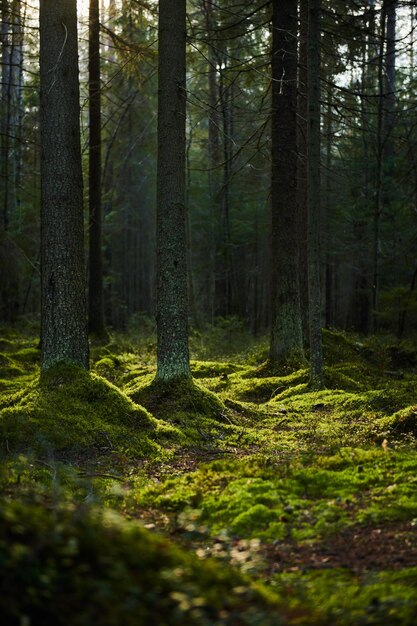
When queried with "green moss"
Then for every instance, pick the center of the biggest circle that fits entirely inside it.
(293, 361)
(27, 355)
(108, 367)
(346, 376)
(7, 344)
(211, 369)
(339, 597)
(339, 347)
(168, 400)
(253, 520)
(261, 498)
(107, 363)
(130, 375)
(401, 422)
(71, 411)
(299, 467)
(93, 567)
(8, 368)
(263, 389)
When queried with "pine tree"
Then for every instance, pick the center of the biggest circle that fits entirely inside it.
(172, 300)
(95, 286)
(313, 186)
(63, 311)
(286, 345)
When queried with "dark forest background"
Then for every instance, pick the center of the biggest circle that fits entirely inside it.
(368, 258)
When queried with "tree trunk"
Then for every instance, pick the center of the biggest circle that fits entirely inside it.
(224, 254)
(214, 158)
(9, 271)
(379, 176)
(302, 168)
(286, 342)
(328, 273)
(5, 110)
(313, 185)
(63, 309)
(172, 300)
(390, 77)
(95, 286)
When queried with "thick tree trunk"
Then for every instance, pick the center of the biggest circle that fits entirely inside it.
(286, 342)
(95, 286)
(313, 174)
(172, 300)
(64, 315)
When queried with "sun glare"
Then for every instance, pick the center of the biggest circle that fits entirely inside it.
(83, 6)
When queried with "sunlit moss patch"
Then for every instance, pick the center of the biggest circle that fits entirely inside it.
(70, 410)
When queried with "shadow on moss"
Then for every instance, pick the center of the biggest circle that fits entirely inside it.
(81, 566)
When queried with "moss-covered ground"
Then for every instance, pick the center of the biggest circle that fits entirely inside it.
(252, 500)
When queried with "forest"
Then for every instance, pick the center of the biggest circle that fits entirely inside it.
(208, 312)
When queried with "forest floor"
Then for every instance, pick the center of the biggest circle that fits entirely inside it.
(280, 505)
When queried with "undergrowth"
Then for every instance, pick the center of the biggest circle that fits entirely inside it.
(243, 499)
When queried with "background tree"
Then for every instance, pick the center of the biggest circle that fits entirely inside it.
(95, 285)
(228, 162)
(286, 345)
(11, 34)
(313, 190)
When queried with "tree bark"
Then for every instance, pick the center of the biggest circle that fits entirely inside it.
(390, 76)
(376, 277)
(63, 308)
(286, 341)
(314, 200)
(95, 287)
(302, 167)
(214, 156)
(172, 300)
(5, 110)
(9, 272)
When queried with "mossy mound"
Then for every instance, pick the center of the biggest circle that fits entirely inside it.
(28, 355)
(8, 368)
(108, 363)
(340, 347)
(7, 344)
(109, 368)
(72, 411)
(264, 389)
(170, 400)
(379, 401)
(294, 361)
(131, 375)
(211, 369)
(349, 377)
(75, 565)
(400, 423)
